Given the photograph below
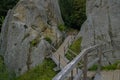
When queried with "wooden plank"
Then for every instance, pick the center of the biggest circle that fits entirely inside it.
(72, 52)
(99, 61)
(85, 67)
(53, 48)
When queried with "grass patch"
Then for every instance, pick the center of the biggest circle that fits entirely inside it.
(93, 68)
(75, 47)
(34, 42)
(4, 74)
(62, 27)
(114, 66)
(69, 56)
(42, 72)
(3, 71)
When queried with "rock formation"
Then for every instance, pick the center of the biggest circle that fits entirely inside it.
(103, 26)
(24, 33)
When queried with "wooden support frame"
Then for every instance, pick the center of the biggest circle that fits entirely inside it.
(69, 67)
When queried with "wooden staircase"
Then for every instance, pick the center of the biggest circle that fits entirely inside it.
(105, 75)
(59, 55)
(70, 70)
(110, 75)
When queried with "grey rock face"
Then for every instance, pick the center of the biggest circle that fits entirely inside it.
(25, 27)
(103, 26)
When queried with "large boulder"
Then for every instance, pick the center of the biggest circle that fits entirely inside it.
(102, 26)
(25, 32)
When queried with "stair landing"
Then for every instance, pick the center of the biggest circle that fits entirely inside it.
(106, 75)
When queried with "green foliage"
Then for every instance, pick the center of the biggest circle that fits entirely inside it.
(48, 39)
(70, 56)
(112, 66)
(5, 5)
(3, 71)
(108, 67)
(1, 20)
(42, 72)
(93, 68)
(75, 47)
(62, 27)
(34, 42)
(73, 12)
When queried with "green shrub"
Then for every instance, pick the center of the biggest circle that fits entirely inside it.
(48, 39)
(43, 71)
(5, 5)
(34, 42)
(108, 67)
(75, 47)
(1, 20)
(4, 75)
(62, 27)
(1, 63)
(73, 12)
(93, 68)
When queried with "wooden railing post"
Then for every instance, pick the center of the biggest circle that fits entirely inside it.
(64, 50)
(72, 75)
(59, 62)
(85, 67)
(77, 68)
(99, 61)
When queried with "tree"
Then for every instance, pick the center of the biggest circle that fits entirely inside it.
(5, 5)
(73, 12)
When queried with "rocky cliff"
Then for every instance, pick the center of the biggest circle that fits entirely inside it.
(103, 26)
(25, 32)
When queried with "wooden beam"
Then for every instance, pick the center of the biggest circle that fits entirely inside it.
(85, 67)
(72, 52)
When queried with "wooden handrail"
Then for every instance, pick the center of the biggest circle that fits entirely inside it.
(69, 67)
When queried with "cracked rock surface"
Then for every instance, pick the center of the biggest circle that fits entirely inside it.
(25, 27)
(102, 26)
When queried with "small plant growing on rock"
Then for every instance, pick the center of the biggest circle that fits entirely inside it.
(34, 42)
(62, 27)
(48, 39)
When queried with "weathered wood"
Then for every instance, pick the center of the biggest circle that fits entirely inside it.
(53, 47)
(72, 75)
(60, 51)
(72, 52)
(99, 61)
(59, 61)
(69, 67)
(78, 75)
(85, 67)
(110, 75)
